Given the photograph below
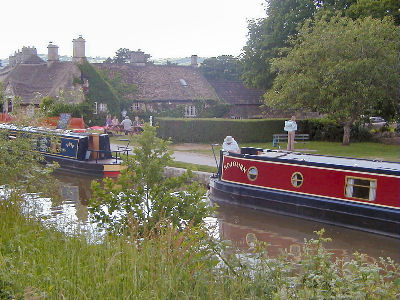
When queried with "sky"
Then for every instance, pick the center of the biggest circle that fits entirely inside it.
(161, 28)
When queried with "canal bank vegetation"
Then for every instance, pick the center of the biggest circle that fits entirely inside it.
(41, 262)
(161, 249)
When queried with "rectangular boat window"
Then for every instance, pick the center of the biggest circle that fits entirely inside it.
(361, 188)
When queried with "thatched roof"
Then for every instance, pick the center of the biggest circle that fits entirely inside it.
(164, 82)
(32, 82)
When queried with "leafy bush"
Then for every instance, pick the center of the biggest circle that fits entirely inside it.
(142, 198)
(55, 108)
(215, 110)
(328, 130)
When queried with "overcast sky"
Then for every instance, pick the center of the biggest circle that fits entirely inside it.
(161, 28)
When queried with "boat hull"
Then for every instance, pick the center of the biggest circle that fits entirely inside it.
(103, 168)
(380, 220)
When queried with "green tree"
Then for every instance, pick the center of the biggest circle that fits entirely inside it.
(122, 56)
(224, 67)
(376, 9)
(142, 198)
(108, 61)
(267, 36)
(342, 68)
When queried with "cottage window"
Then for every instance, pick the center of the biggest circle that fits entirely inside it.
(103, 107)
(361, 188)
(136, 106)
(190, 111)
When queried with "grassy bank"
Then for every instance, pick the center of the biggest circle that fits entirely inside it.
(36, 261)
(42, 262)
(359, 150)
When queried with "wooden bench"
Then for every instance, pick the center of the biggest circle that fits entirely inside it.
(283, 137)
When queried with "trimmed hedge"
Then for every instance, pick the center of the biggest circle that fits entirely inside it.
(250, 130)
(215, 130)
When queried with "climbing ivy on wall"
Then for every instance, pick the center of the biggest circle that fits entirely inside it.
(100, 91)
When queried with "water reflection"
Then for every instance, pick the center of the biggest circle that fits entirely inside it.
(68, 213)
(75, 192)
(242, 226)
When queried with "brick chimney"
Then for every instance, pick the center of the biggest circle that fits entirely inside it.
(52, 53)
(79, 50)
(193, 61)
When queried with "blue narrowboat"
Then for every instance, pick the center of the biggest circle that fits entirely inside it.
(82, 153)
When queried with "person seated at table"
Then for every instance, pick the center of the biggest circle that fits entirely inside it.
(230, 145)
(137, 126)
(115, 123)
(127, 125)
(108, 122)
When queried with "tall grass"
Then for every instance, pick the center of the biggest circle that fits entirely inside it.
(36, 261)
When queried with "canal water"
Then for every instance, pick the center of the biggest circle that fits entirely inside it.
(242, 226)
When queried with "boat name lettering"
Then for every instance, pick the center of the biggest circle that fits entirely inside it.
(235, 164)
(70, 145)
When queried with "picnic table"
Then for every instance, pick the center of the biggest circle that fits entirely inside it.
(116, 130)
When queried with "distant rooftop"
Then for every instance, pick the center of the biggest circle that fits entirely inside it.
(164, 82)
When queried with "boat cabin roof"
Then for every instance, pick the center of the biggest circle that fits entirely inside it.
(328, 161)
(62, 132)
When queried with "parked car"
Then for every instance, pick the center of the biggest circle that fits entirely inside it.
(377, 122)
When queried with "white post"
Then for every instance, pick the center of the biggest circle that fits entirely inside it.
(151, 120)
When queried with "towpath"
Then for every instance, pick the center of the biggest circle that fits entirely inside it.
(182, 153)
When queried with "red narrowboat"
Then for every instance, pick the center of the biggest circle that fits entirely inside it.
(355, 193)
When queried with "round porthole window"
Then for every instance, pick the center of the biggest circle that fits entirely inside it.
(252, 173)
(251, 239)
(297, 179)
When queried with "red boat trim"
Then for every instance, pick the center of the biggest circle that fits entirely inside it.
(303, 193)
(111, 173)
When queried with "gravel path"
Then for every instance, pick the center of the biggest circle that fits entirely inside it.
(187, 157)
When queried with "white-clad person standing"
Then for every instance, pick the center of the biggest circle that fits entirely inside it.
(291, 127)
(230, 145)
